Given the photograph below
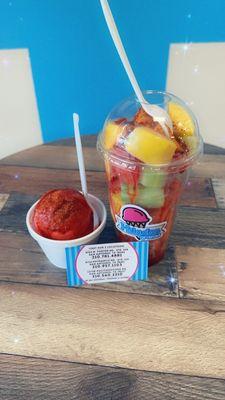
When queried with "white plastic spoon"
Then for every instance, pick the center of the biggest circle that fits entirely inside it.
(82, 171)
(157, 113)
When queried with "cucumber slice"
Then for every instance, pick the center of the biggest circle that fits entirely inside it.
(126, 191)
(152, 179)
(124, 195)
(150, 197)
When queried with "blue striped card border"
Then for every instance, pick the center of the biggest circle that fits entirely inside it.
(141, 272)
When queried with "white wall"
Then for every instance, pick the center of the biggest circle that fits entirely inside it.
(19, 120)
(196, 73)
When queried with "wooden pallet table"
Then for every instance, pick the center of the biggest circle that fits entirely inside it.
(158, 339)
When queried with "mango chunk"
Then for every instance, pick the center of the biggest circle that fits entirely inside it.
(116, 203)
(111, 133)
(107, 168)
(182, 121)
(149, 146)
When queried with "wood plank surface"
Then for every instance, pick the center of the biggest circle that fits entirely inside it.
(61, 157)
(36, 268)
(87, 141)
(138, 342)
(22, 261)
(90, 141)
(194, 226)
(198, 192)
(201, 272)
(138, 332)
(219, 189)
(25, 264)
(38, 180)
(210, 166)
(199, 227)
(29, 378)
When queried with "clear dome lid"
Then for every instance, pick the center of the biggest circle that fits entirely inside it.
(131, 136)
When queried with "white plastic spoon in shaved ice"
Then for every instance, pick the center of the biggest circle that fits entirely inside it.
(157, 113)
(82, 171)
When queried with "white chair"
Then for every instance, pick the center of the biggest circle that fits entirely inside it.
(19, 120)
(196, 73)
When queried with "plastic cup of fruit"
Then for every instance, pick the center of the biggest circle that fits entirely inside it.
(55, 249)
(146, 171)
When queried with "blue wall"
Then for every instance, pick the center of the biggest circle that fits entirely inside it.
(75, 65)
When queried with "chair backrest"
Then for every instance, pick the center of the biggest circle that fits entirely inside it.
(19, 119)
(196, 73)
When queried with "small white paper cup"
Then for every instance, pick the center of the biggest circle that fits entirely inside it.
(55, 249)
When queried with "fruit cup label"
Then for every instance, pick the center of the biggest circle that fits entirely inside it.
(135, 221)
(110, 262)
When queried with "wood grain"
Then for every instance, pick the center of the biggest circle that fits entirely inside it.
(198, 192)
(29, 378)
(62, 157)
(90, 141)
(42, 318)
(193, 226)
(36, 181)
(219, 189)
(22, 261)
(139, 332)
(24, 265)
(199, 227)
(210, 166)
(201, 272)
(87, 141)
(46, 157)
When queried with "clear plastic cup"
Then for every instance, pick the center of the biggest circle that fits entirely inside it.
(145, 173)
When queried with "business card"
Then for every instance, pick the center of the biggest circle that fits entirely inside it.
(108, 262)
